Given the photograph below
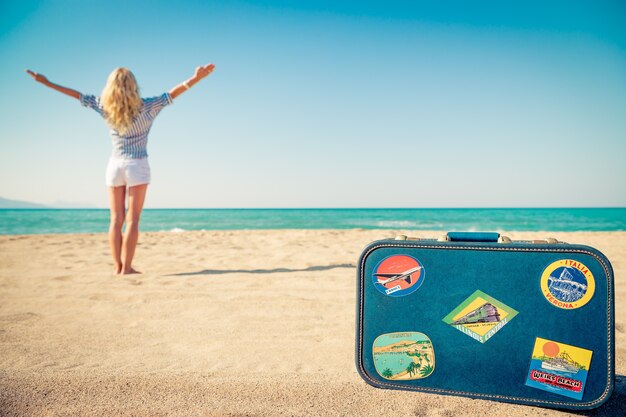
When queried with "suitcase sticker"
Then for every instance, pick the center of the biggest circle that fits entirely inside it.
(404, 356)
(480, 316)
(559, 368)
(567, 284)
(398, 275)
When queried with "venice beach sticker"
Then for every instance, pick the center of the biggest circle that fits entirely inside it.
(403, 356)
(559, 368)
(480, 316)
(398, 275)
(567, 284)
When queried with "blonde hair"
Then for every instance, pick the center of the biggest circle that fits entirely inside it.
(121, 101)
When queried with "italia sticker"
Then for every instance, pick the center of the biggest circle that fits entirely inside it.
(480, 316)
(398, 275)
(559, 368)
(403, 356)
(567, 284)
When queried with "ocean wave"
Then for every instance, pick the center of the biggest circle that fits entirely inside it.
(177, 230)
(408, 224)
(396, 223)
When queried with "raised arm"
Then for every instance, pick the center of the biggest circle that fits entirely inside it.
(200, 73)
(42, 79)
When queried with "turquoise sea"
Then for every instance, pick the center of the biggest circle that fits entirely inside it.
(32, 221)
(396, 362)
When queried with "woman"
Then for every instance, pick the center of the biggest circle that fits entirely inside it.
(130, 118)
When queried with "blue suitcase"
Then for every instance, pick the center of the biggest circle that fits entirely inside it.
(479, 315)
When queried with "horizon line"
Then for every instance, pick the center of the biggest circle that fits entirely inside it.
(333, 208)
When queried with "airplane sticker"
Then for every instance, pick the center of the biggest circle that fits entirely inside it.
(398, 275)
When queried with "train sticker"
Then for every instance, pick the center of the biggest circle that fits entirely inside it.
(403, 356)
(398, 275)
(480, 316)
(559, 368)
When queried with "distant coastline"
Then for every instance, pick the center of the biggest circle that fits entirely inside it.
(6, 203)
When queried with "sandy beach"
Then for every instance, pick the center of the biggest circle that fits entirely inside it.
(220, 323)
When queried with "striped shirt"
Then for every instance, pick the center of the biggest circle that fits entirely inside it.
(133, 144)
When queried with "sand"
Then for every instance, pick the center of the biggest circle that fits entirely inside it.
(221, 323)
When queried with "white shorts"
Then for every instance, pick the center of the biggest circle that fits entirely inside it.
(128, 172)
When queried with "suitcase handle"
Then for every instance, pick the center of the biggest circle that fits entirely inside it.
(473, 236)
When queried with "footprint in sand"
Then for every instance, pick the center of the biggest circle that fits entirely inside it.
(16, 318)
(436, 412)
(63, 278)
(99, 297)
(70, 366)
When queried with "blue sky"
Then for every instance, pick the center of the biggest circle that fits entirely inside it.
(326, 104)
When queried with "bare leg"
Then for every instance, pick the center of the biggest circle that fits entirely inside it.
(136, 197)
(117, 196)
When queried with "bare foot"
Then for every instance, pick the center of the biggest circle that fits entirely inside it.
(117, 270)
(128, 271)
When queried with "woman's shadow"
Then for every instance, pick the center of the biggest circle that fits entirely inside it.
(264, 271)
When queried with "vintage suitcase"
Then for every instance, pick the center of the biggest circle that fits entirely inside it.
(479, 315)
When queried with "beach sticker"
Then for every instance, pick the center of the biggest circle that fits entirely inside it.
(403, 356)
(398, 275)
(567, 284)
(480, 316)
(559, 368)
